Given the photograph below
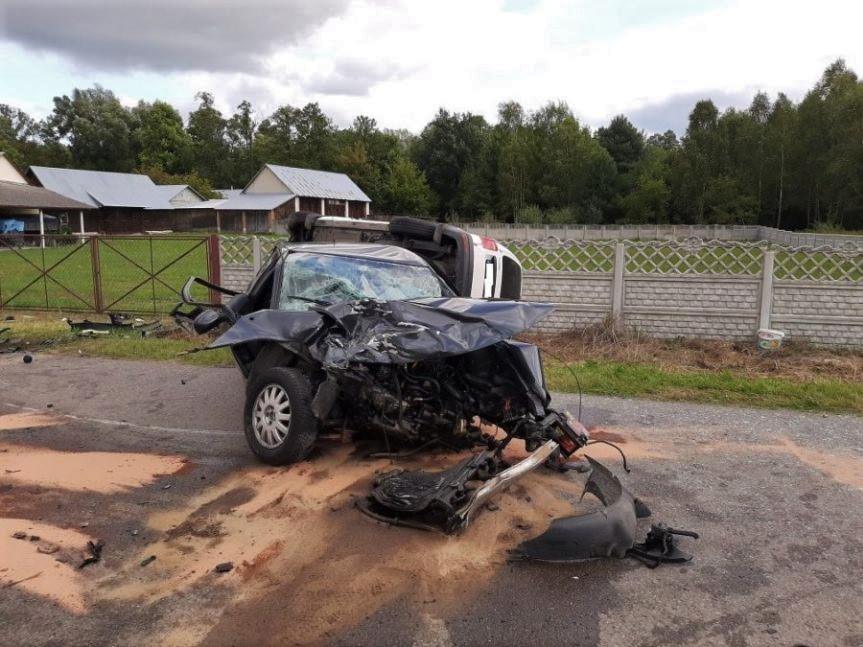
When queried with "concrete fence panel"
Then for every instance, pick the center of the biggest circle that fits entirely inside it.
(718, 289)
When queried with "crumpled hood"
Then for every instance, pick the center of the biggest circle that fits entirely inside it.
(389, 332)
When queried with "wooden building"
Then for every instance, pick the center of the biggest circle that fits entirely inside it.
(31, 209)
(123, 203)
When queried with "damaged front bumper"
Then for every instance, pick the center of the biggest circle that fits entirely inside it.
(446, 502)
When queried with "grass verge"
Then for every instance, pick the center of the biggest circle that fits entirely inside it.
(801, 378)
(30, 332)
(716, 387)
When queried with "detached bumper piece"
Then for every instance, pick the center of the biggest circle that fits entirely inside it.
(609, 532)
(446, 501)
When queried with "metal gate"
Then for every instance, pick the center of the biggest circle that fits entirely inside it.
(135, 274)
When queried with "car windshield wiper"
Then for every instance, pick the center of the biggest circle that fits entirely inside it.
(319, 302)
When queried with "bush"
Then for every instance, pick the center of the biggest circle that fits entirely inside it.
(529, 215)
(560, 216)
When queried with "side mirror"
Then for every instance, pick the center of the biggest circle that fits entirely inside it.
(206, 321)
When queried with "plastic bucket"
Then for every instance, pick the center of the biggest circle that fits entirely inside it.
(770, 339)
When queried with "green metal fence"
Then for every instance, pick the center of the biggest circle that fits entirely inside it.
(135, 274)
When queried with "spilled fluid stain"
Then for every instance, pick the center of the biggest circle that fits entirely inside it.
(104, 472)
(630, 442)
(846, 468)
(53, 575)
(14, 421)
(599, 433)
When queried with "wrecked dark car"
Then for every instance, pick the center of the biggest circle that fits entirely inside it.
(369, 338)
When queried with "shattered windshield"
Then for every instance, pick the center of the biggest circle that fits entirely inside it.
(325, 278)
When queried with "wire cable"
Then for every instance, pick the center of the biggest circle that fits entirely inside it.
(605, 442)
(572, 372)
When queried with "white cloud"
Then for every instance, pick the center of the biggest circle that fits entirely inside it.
(399, 60)
(473, 55)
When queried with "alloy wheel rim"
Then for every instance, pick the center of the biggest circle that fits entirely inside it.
(271, 416)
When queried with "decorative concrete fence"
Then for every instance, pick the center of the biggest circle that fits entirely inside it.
(714, 289)
(745, 233)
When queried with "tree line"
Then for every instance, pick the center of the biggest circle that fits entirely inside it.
(778, 162)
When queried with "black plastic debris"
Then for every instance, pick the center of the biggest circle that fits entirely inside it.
(224, 567)
(9, 346)
(28, 358)
(660, 546)
(117, 323)
(148, 560)
(94, 550)
(608, 532)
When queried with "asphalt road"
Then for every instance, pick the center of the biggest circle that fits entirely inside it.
(149, 457)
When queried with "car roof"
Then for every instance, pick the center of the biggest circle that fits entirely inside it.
(388, 253)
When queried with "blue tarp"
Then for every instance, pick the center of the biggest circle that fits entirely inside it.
(9, 226)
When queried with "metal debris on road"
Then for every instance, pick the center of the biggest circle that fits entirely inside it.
(95, 553)
(224, 567)
(660, 546)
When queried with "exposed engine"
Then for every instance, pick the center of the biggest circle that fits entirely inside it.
(449, 399)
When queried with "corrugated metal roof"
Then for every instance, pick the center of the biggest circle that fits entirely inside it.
(206, 204)
(256, 201)
(25, 196)
(318, 184)
(244, 202)
(170, 190)
(103, 188)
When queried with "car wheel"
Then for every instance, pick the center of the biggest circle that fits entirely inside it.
(280, 425)
(412, 228)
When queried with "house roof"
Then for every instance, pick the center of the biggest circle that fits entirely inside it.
(25, 196)
(171, 191)
(245, 202)
(103, 188)
(318, 184)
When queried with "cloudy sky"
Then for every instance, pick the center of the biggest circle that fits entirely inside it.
(399, 60)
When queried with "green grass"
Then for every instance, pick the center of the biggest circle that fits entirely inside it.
(30, 331)
(598, 377)
(719, 387)
(118, 258)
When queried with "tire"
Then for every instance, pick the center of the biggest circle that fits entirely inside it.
(271, 392)
(412, 228)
